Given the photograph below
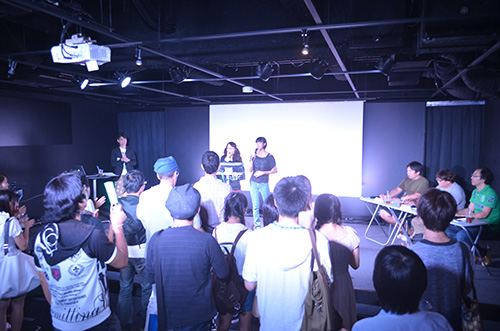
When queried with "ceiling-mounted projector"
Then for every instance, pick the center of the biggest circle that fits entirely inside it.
(81, 50)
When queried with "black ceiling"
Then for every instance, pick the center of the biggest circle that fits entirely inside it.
(373, 50)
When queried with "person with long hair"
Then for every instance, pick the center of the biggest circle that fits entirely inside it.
(233, 174)
(344, 251)
(4, 182)
(17, 242)
(263, 164)
(235, 207)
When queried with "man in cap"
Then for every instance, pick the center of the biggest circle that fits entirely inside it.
(151, 208)
(213, 191)
(183, 276)
(153, 214)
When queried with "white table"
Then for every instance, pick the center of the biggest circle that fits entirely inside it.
(399, 211)
(461, 223)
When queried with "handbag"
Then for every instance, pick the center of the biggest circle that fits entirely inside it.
(319, 313)
(471, 320)
(17, 271)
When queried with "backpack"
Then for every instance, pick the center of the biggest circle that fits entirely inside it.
(230, 293)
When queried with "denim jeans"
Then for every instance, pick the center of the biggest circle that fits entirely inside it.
(255, 188)
(124, 307)
(457, 233)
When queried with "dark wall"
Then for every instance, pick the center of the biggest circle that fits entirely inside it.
(93, 128)
(393, 136)
(187, 140)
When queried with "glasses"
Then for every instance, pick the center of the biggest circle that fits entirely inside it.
(475, 175)
(439, 180)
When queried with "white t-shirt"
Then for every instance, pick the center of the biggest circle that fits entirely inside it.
(226, 233)
(124, 170)
(14, 231)
(279, 260)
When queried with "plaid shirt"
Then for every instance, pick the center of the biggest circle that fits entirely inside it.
(213, 192)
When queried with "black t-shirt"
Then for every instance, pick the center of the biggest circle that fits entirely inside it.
(263, 164)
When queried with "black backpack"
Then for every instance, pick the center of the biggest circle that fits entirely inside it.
(229, 293)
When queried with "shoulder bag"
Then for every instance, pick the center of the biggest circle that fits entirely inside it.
(319, 314)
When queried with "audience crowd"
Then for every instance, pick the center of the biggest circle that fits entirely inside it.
(174, 239)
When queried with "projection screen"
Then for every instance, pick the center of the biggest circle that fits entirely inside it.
(322, 140)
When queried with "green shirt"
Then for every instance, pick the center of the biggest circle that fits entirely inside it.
(487, 197)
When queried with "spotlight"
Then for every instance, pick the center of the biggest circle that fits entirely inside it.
(305, 50)
(264, 70)
(12, 67)
(124, 80)
(385, 65)
(305, 42)
(247, 89)
(178, 75)
(318, 69)
(84, 83)
(138, 58)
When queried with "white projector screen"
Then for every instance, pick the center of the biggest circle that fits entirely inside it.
(322, 141)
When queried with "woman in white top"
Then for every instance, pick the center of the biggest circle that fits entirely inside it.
(20, 238)
(235, 207)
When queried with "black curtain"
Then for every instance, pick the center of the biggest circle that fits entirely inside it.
(453, 140)
(146, 133)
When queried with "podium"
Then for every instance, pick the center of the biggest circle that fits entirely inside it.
(227, 171)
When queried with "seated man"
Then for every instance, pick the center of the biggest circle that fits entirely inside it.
(448, 262)
(484, 205)
(411, 187)
(400, 279)
(446, 182)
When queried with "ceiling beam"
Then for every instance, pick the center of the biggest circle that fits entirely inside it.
(56, 12)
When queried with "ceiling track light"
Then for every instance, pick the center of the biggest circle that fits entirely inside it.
(178, 75)
(84, 83)
(264, 70)
(318, 69)
(305, 42)
(124, 80)
(138, 57)
(385, 65)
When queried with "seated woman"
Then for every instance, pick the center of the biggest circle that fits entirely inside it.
(235, 207)
(14, 277)
(448, 262)
(344, 251)
(400, 279)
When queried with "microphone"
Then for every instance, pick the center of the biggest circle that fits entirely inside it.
(254, 154)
